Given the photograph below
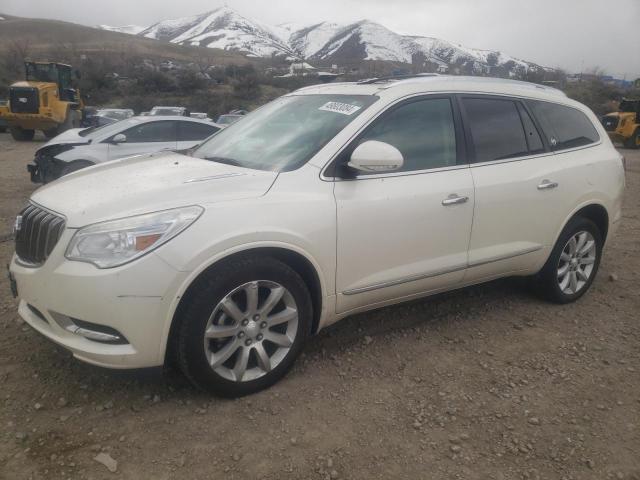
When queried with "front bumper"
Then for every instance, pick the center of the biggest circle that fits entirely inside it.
(135, 300)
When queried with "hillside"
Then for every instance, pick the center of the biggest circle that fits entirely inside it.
(53, 39)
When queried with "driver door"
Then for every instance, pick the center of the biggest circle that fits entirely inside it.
(148, 137)
(405, 233)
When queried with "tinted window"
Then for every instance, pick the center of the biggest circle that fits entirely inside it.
(496, 129)
(423, 131)
(565, 127)
(194, 131)
(152, 132)
(531, 133)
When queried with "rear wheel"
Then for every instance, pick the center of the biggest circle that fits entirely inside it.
(244, 326)
(634, 141)
(573, 263)
(21, 134)
(53, 132)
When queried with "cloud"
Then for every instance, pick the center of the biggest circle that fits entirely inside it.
(571, 34)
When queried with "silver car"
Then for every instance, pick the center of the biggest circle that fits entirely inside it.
(79, 148)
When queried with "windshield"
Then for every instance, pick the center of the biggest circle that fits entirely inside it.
(284, 134)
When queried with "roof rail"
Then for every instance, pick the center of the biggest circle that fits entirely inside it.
(370, 81)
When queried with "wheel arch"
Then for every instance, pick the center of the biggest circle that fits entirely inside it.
(298, 261)
(594, 211)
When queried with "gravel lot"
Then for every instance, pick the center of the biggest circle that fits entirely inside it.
(484, 383)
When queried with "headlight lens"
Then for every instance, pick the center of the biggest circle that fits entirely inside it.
(114, 243)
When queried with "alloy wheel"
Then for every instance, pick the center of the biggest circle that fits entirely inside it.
(576, 262)
(251, 330)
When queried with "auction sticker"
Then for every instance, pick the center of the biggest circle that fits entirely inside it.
(338, 107)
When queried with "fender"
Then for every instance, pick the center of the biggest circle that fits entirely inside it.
(221, 255)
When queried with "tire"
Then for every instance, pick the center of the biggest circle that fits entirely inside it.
(245, 334)
(633, 142)
(22, 135)
(74, 167)
(556, 279)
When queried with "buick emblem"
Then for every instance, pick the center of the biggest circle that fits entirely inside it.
(18, 224)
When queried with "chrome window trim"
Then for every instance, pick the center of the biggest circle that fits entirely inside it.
(436, 273)
(536, 155)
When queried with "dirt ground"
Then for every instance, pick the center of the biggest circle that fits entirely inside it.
(484, 383)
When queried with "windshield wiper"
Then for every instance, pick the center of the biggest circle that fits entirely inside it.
(227, 161)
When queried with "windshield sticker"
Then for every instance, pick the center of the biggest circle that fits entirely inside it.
(338, 107)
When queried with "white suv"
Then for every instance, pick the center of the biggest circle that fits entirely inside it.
(331, 200)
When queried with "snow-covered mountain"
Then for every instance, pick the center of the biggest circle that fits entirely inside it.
(130, 29)
(221, 28)
(325, 42)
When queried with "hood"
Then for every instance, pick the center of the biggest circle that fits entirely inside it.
(70, 137)
(148, 183)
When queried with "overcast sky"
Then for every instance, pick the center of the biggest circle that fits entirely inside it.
(571, 34)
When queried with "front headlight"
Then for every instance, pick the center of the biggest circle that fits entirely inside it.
(116, 242)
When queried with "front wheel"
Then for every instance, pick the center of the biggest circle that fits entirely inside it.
(245, 324)
(22, 135)
(573, 263)
(634, 141)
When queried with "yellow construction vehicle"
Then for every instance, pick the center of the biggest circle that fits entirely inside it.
(46, 100)
(624, 125)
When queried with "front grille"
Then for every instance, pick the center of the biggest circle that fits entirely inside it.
(24, 100)
(610, 123)
(37, 232)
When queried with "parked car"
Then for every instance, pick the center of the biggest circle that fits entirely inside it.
(79, 148)
(228, 118)
(169, 111)
(328, 201)
(200, 115)
(105, 116)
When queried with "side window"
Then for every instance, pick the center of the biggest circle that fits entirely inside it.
(194, 131)
(496, 129)
(423, 131)
(531, 132)
(565, 127)
(164, 131)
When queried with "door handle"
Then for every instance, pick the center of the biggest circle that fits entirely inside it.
(454, 199)
(546, 185)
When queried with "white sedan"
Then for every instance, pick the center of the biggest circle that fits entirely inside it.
(83, 147)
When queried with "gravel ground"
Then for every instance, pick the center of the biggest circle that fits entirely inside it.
(484, 383)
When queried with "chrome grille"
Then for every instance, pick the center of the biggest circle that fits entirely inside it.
(37, 232)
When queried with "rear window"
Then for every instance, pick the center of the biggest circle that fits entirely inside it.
(565, 127)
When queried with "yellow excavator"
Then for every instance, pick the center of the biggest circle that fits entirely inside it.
(624, 125)
(46, 100)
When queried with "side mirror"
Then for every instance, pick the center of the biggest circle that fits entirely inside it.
(376, 157)
(119, 138)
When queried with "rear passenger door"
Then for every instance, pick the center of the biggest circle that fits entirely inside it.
(524, 189)
(191, 134)
(147, 137)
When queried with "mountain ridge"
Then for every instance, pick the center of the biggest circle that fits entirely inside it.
(328, 43)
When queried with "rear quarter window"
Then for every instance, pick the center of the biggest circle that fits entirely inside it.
(565, 127)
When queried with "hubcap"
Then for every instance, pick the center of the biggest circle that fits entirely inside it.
(576, 262)
(251, 330)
